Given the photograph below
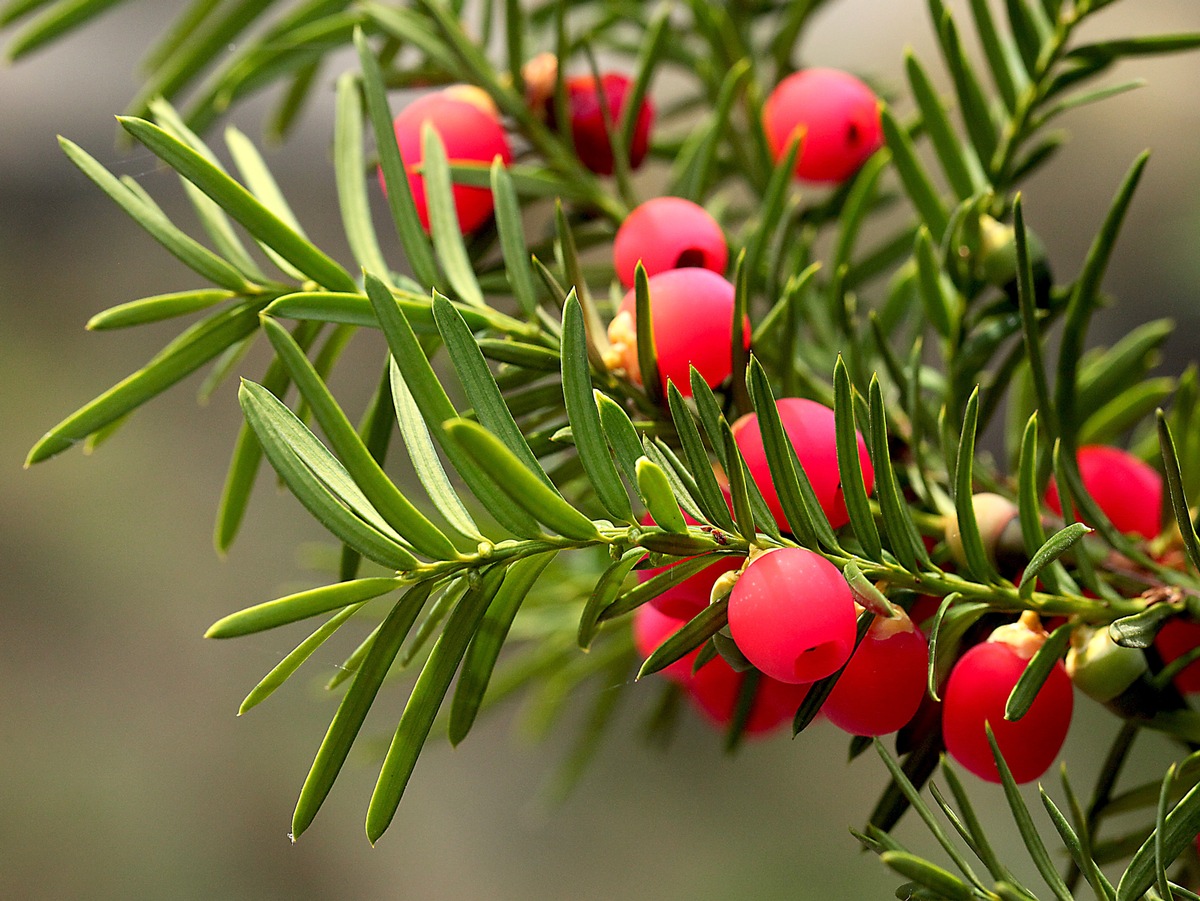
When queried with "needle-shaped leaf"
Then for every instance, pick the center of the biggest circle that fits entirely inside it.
(59, 19)
(425, 460)
(964, 488)
(479, 386)
(302, 605)
(1085, 297)
(426, 698)
(796, 495)
(1056, 545)
(959, 162)
(193, 348)
(1179, 504)
(318, 481)
(657, 584)
(430, 397)
(901, 779)
(481, 656)
(286, 667)
(1021, 698)
(1080, 855)
(512, 240)
(647, 347)
(605, 591)
(693, 165)
(351, 183)
(157, 308)
(380, 491)
(683, 641)
(448, 243)
(353, 709)
(184, 248)
(1008, 69)
(621, 433)
(708, 491)
(656, 493)
(905, 541)
(976, 113)
(530, 493)
(1025, 825)
(938, 295)
(413, 238)
(241, 205)
(916, 181)
(850, 471)
(586, 428)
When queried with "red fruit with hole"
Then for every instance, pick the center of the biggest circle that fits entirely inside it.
(592, 144)
(837, 117)
(650, 629)
(692, 314)
(1129, 491)
(977, 693)
(1174, 639)
(668, 233)
(793, 615)
(691, 595)
(881, 687)
(470, 134)
(810, 426)
(715, 687)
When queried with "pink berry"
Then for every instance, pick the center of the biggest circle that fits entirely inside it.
(691, 595)
(650, 629)
(592, 143)
(470, 133)
(810, 426)
(1174, 639)
(881, 687)
(714, 690)
(793, 615)
(977, 693)
(837, 116)
(668, 233)
(1129, 491)
(692, 312)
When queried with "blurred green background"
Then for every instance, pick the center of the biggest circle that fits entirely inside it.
(126, 773)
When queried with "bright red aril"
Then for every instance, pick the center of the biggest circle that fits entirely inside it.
(667, 233)
(881, 687)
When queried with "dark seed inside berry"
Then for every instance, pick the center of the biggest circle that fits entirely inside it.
(853, 135)
(691, 257)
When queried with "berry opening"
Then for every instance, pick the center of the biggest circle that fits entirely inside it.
(691, 258)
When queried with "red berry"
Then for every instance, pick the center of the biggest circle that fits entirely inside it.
(793, 615)
(650, 629)
(470, 133)
(691, 595)
(837, 115)
(668, 233)
(592, 143)
(1126, 489)
(715, 687)
(881, 687)
(1174, 639)
(810, 427)
(977, 693)
(692, 313)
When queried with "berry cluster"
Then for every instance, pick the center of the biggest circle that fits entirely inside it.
(792, 616)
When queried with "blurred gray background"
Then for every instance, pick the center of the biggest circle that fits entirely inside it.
(125, 772)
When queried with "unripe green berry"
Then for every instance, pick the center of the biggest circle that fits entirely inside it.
(998, 527)
(1100, 667)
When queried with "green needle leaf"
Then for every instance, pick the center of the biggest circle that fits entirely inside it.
(1037, 671)
(157, 308)
(915, 179)
(524, 488)
(447, 234)
(1179, 505)
(485, 646)
(1057, 545)
(586, 428)
(318, 481)
(660, 500)
(197, 345)
(351, 184)
(301, 605)
(354, 706)
(699, 629)
(380, 491)
(289, 664)
(607, 587)
(427, 696)
(240, 204)
(854, 487)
